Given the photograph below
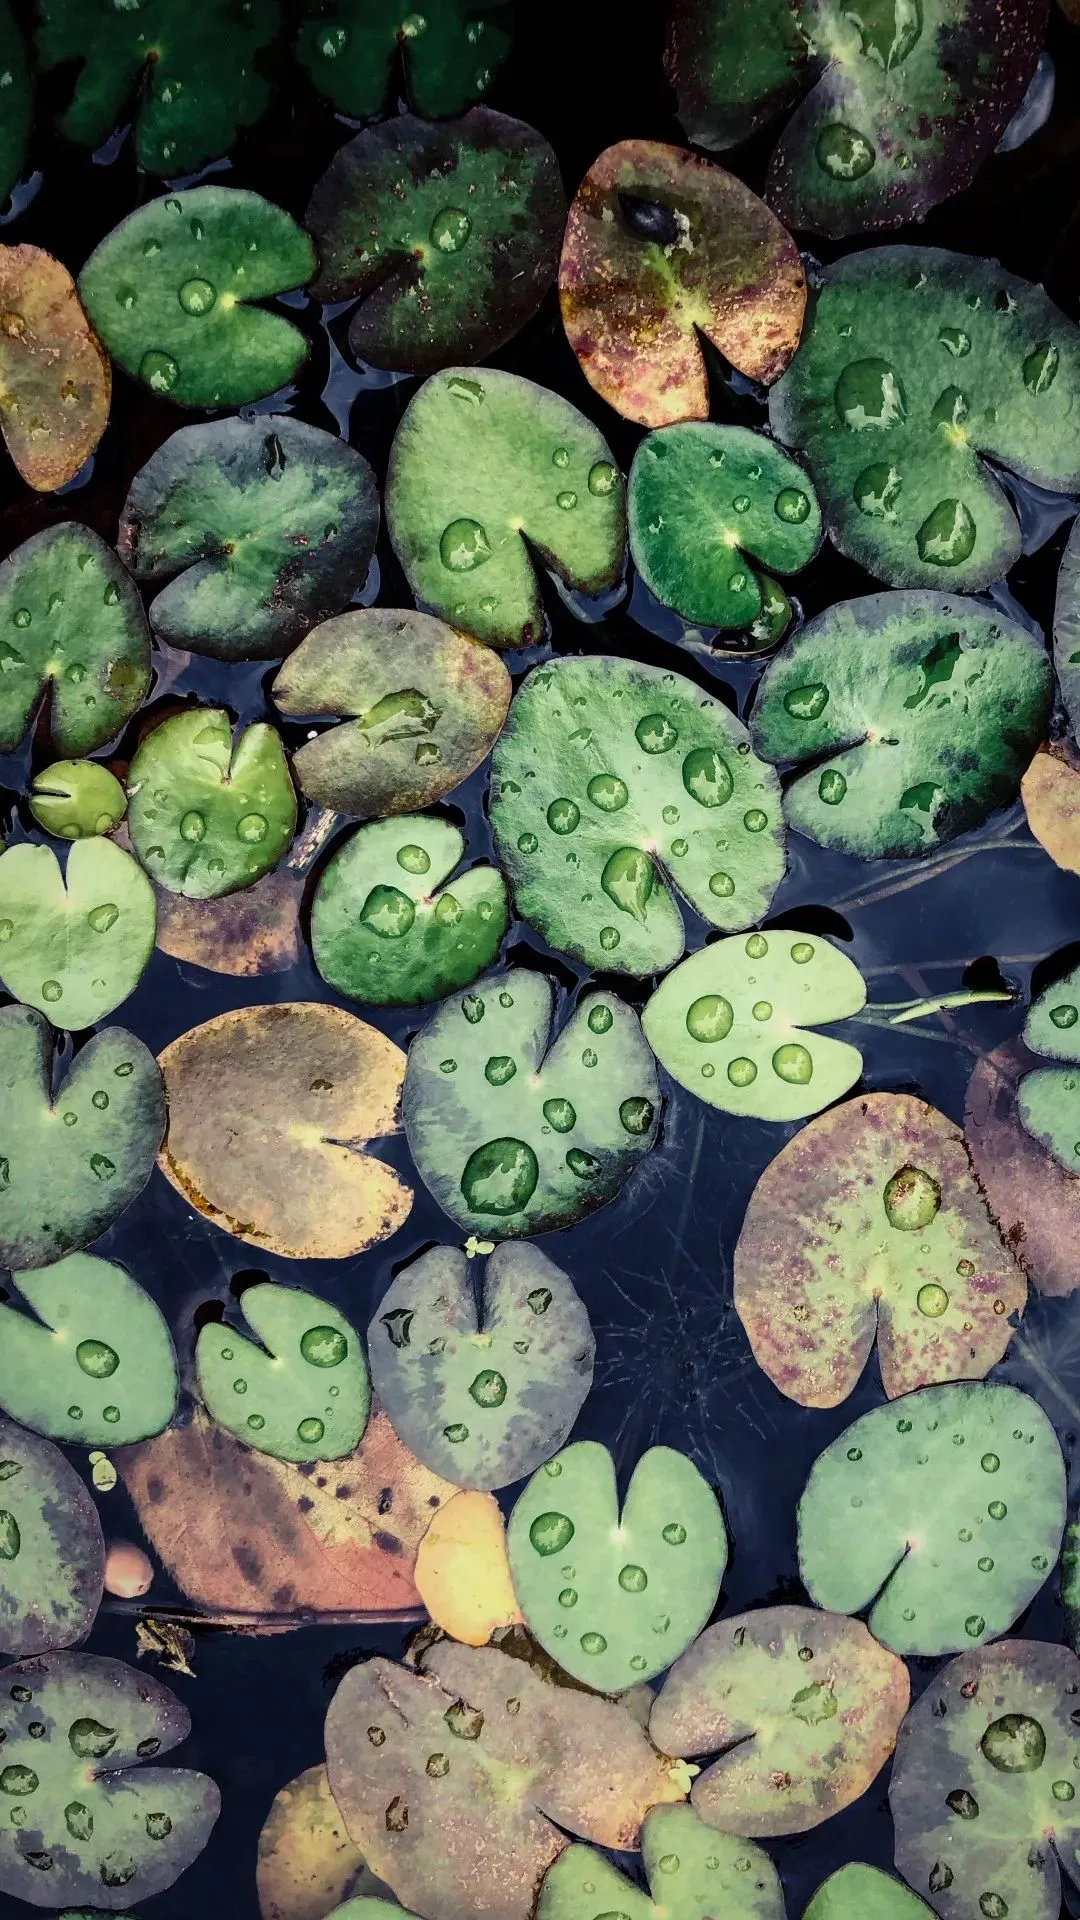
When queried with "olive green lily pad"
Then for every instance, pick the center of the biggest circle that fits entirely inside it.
(915, 363)
(75, 799)
(74, 629)
(693, 1873)
(274, 1397)
(52, 1554)
(917, 712)
(96, 1368)
(453, 266)
(513, 1137)
(1047, 1101)
(451, 51)
(100, 1829)
(268, 525)
(70, 1165)
(802, 1708)
(384, 927)
(483, 1387)
(206, 814)
(169, 291)
(369, 1906)
(74, 944)
(612, 778)
(938, 1569)
(485, 467)
(616, 1594)
(732, 1024)
(18, 102)
(859, 1892)
(56, 377)
(1067, 626)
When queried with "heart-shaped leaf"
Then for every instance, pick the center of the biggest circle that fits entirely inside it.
(268, 524)
(73, 799)
(858, 1892)
(169, 292)
(917, 713)
(484, 1385)
(483, 463)
(514, 1138)
(52, 1554)
(74, 944)
(207, 815)
(936, 1572)
(57, 378)
(1067, 626)
(869, 1224)
(18, 104)
(273, 1397)
(732, 1024)
(307, 1863)
(802, 1708)
(693, 1872)
(449, 235)
(1035, 1202)
(462, 1570)
(1047, 1101)
(353, 50)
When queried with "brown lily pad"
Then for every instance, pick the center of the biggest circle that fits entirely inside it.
(661, 245)
(1050, 790)
(307, 1865)
(271, 1110)
(55, 375)
(252, 932)
(1035, 1202)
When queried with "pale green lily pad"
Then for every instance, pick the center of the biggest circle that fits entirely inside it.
(304, 1394)
(859, 1892)
(18, 102)
(74, 799)
(1047, 1099)
(52, 1554)
(74, 944)
(693, 1873)
(451, 51)
(208, 815)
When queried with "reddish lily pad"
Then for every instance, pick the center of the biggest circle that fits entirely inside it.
(307, 1864)
(55, 376)
(1035, 1202)
(52, 1554)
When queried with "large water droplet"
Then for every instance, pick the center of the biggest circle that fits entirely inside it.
(607, 792)
(488, 1389)
(1014, 1744)
(877, 489)
(628, 880)
(807, 703)
(464, 546)
(100, 919)
(551, 1533)
(793, 1064)
(159, 370)
(563, 816)
(932, 1300)
(832, 787)
(843, 152)
(323, 1346)
(252, 828)
(636, 1114)
(603, 477)
(912, 1198)
(500, 1177)
(1040, 367)
(947, 536)
(450, 229)
(193, 826)
(710, 1019)
(869, 394)
(792, 506)
(97, 1359)
(387, 912)
(707, 778)
(197, 296)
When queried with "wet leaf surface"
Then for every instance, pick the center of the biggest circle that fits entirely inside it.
(74, 799)
(52, 1555)
(692, 1870)
(56, 378)
(1046, 1099)
(307, 1864)
(451, 53)
(209, 813)
(74, 944)
(273, 1396)
(1035, 1202)
(858, 1892)
(462, 1570)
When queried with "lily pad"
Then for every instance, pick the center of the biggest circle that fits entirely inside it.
(102, 1835)
(612, 778)
(1047, 1101)
(420, 705)
(1050, 791)
(1034, 1201)
(272, 1397)
(484, 467)
(448, 235)
(169, 292)
(74, 944)
(462, 1570)
(268, 524)
(802, 1707)
(917, 712)
(915, 364)
(384, 928)
(76, 632)
(858, 1892)
(661, 248)
(732, 1024)
(96, 1368)
(74, 799)
(869, 1224)
(450, 52)
(516, 1139)
(15, 125)
(207, 815)
(937, 1573)
(52, 1554)
(1067, 626)
(610, 1592)
(693, 1872)
(62, 1186)
(56, 376)
(983, 1788)
(307, 1864)
(271, 1113)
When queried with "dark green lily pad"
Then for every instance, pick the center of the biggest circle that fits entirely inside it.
(1067, 626)
(18, 102)
(1047, 1100)
(451, 51)
(169, 292)
(75, 799)
(607, 769)
(269, 525)
(62, 1185)
(914, 364)
(483, 1387)
(448, 235)
(52, 1554)
(693, 1872)
(943, 1569)
(385, 928)
(208, 815)
(483, 463)
(917, 712)
(274, 1397)
(74, 944)
(100, 1829)
(73, 627)
(859, 1892)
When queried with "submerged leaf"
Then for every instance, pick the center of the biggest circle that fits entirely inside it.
(1034, 1201)
(693, 1873)
(74, 944)
(273, 1396)
(462, 1570)
(1047, 1100)
(55, 376)
(52, 1554)
(307, 1863)
(450, 52)
(208, 815)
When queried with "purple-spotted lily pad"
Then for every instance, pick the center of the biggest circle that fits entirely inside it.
(1034, 1201)
(1047, 1101)
(693, 1872)
(1067, 626)
(448, 52)
(52, 1554)
(859, 1892)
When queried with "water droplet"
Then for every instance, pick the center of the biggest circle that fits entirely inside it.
(679, 848)
(560, 1115)
(448, 911)
(832, 787)
(947, 535)
(1064, 1016)
(997, 1509)
(583, 1165)
(96, 1359)
(636, 1114)
(450, 229)
(473, 1008)
(1040, 367)
(500, 1177)
(252, 828)
(551, 1532)
(607, 792)
(762, 1010)
(707, 778)
(561, 457)
(323, 1347)
(567, 501)
(741, 1072)
(628, 879)
(412, 859)
(603, 477)
(18, 1780)
(869, 394)
(654, 733)
(456, 1433)
(387, 913)
(609, 938)
(633, 1579)
(843, 152)
(593, 1643)
(1014, 1744)
(563, 816)
(990, 1463)
(464, 546)
(499, 1069)
(159, 370)
(807, 703)
(601, 1019)
(793, 1064)
(709, 1019)
(488, 1389)
(755, 821)
(310, 1431)
(51, 990)
(912, 1198)
(447, 1066)
(792, 506)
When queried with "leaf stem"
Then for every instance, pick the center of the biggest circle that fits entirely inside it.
(903, 1011)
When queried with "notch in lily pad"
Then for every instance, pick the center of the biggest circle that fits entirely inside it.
(359, 52)
(56, 375)
(1049, 1097)
(692, 1871)
(74, 944)
(304, 1394)
(52, 1556)
(208, 814)
(76, 799)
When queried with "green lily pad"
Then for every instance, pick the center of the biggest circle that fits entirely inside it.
(693, 1873)
(74, 630)
(731, 1024)
(1047, 1099)
(62, 1186)
(983, 1792)
(56, 375)
(607, 769)
(368, 1906)
(515, 1139)
(483, 1387)
(52, 1554)
(869, 1224)
(859, 1892)
(74, 944)
(937, 1573)
(915, 363)
(420, 706)
(97, 1367)
(448, 235)
(451, 52)
(384, 928)
(917, 712)
(802, 1708)
(1067, 626)
(483, 463)
(274, 1397)
(74, 799)
(268, 525)
(169, 292)
(206, 814)
(18, 102)
(189, 76)
(615, 1595)
(100, 1829)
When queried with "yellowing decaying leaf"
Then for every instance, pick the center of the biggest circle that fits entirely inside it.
(462, 1570)
(307, 1865)
(55, 376)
